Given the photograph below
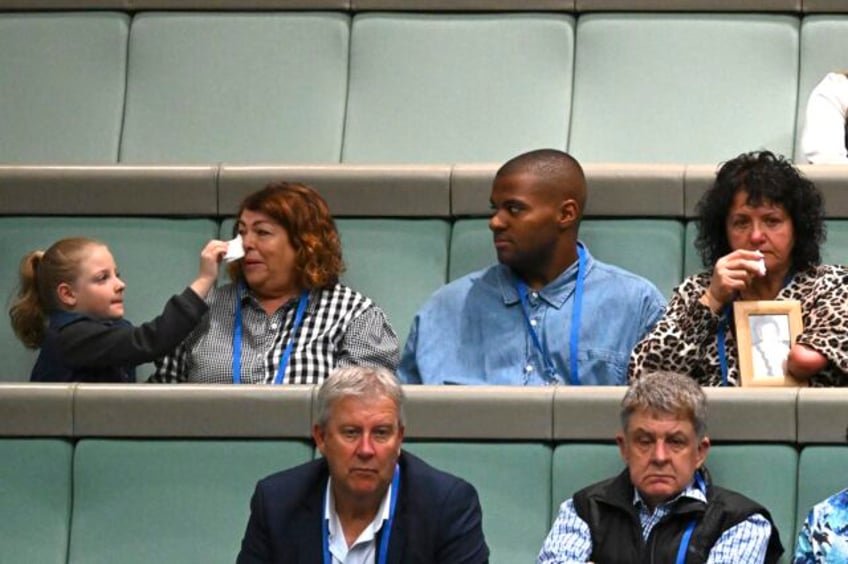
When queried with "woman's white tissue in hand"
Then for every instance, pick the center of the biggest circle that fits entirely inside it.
(235, 249)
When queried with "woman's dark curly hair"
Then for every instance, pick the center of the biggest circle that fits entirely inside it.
(305, 216)
(767, 178)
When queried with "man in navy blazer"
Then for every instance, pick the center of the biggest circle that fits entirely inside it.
(365, 501)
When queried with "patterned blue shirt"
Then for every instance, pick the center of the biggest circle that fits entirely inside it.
(473, 330)
(824, 536)
(570, 539)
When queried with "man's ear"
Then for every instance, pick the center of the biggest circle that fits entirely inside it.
(67, 296)
(622, 445)
(318, 437)
(703, 450)
(569, 213)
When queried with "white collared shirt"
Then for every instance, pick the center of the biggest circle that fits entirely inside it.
(364, 548)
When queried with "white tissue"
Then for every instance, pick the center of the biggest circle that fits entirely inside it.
(761, 267)
(235, 249)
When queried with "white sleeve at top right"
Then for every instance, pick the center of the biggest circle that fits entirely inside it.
(823, 138)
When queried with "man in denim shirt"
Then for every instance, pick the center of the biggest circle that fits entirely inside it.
(548, 313)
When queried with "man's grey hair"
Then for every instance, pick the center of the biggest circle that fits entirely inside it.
(363, 382)
(667, 393)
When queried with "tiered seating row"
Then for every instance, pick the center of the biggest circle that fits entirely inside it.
(799, 6)
(406, 230)
(358, 86)
(163, 473)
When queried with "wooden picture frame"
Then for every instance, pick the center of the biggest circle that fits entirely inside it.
(765, 331)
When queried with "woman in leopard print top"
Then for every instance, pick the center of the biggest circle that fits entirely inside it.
(760, 212)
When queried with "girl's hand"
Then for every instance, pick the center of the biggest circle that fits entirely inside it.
(210, 258)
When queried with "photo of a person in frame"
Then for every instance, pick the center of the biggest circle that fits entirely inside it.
(770, 341)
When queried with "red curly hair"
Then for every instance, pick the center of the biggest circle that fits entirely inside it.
(305, 216)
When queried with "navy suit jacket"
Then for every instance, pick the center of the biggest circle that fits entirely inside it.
(438, 517)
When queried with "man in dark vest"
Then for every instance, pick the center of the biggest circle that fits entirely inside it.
(663, 507)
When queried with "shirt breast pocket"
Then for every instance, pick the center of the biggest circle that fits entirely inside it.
(600, 367)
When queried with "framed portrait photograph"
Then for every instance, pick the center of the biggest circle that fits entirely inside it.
(765, 331)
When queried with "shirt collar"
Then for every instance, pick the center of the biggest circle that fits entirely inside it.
(370, 532)
(246, 295)
(555, 293)
(60, 318)
(691, 491)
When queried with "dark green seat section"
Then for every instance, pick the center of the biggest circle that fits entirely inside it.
(156, 258)
(651, 248)
(513, 481)
(684, 115)
(835, 250)
(498, 439)
(235, 87)
(35, 499)
(168, 500)
(36, 454)
(471, 247)
(397, 263)
(62, 93)
(737, 467)
(445, 88)
(165, 473)
(576, 466)
(766, 473)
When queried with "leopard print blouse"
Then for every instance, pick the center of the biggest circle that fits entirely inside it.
(685, 339)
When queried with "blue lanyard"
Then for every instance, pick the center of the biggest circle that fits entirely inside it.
(722, 332)
(690, 528)
(237, 332)
(387, 526)
(576, 315)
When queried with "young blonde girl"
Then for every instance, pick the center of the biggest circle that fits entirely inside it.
(70, 305)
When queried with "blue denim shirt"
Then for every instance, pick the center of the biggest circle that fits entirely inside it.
(472, 331)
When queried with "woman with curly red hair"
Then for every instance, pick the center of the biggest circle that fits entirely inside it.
(285, 318)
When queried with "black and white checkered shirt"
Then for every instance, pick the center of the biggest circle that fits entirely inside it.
(340, 327)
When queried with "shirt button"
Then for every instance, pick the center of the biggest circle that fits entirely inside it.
(533, 322)
(534, 295)
(273, 326)
(528, 368)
